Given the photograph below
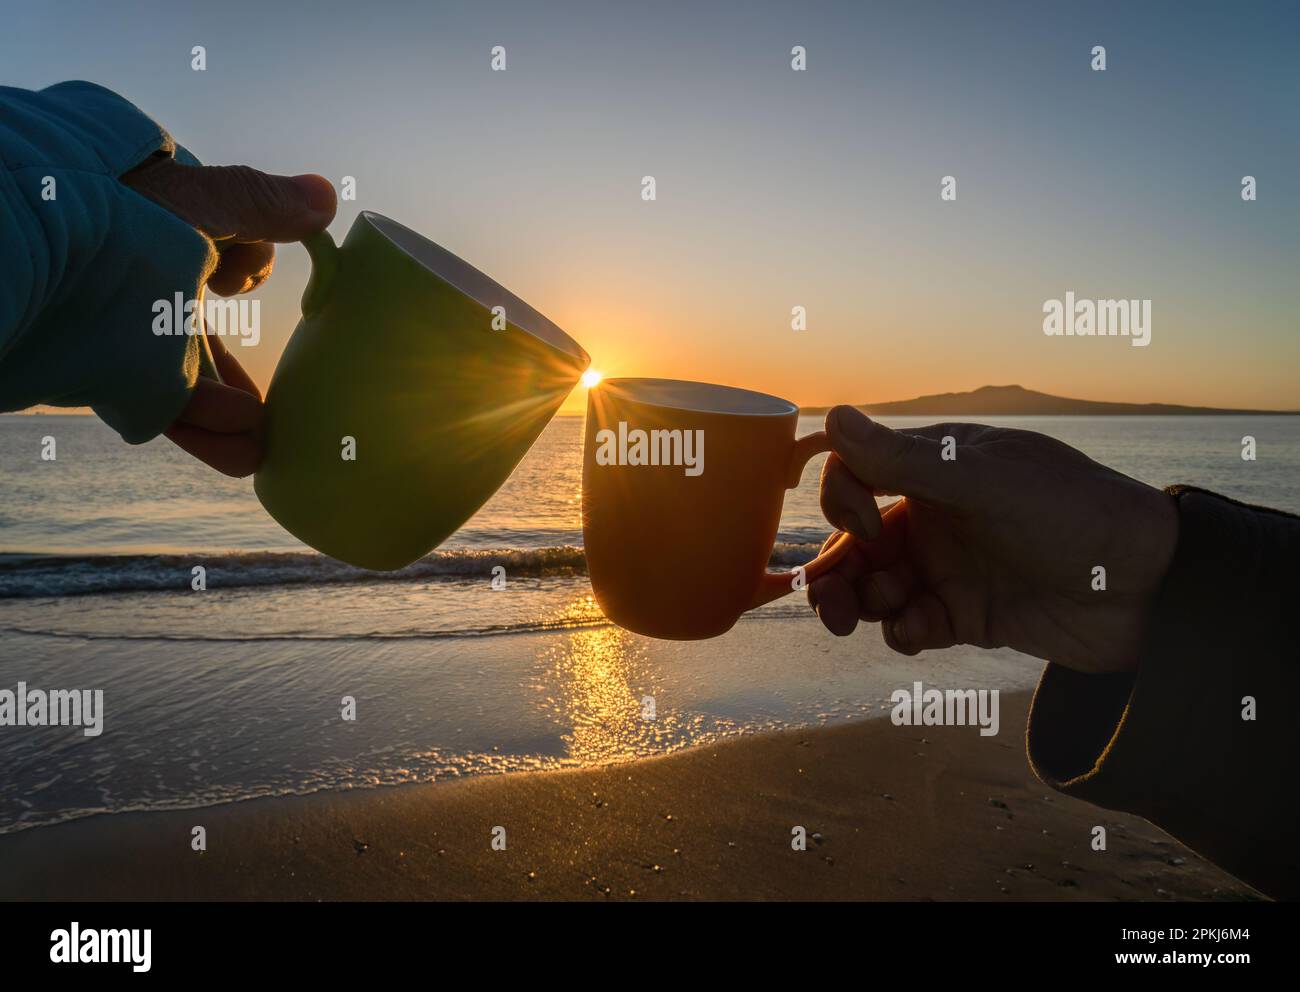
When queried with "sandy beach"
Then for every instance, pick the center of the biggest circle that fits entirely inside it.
(891, 813)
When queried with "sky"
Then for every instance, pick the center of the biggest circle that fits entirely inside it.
(776, 188)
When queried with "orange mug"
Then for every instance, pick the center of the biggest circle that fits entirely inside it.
(682, 488)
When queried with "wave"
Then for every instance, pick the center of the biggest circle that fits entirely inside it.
(28, 576)
(490, 630)
(545, 626)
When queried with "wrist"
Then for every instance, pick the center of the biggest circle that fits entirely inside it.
(1160, 536)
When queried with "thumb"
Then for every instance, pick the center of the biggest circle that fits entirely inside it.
(237, 202)
(888, 461)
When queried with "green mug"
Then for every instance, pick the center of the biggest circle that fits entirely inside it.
(410, 390)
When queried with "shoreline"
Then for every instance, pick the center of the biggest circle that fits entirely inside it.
(890, 813)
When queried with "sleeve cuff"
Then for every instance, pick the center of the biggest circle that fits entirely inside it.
(147, 377)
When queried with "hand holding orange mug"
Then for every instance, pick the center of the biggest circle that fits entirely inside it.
(682, 489)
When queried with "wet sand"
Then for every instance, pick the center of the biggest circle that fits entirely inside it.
(891, 813)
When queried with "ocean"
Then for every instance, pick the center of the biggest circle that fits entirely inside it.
(238, 691)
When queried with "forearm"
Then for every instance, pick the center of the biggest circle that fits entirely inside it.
(1200, 739)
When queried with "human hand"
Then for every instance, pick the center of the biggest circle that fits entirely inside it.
(245, 212)
(995, 548)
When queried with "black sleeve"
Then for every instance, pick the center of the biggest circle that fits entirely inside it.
(1203, 738)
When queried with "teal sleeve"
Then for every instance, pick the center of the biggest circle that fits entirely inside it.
(86, 261)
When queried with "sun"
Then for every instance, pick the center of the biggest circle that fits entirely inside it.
(591, 377)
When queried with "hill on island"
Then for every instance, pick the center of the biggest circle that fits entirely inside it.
(1016, 401)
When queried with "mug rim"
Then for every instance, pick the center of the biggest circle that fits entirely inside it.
(470, 281)
(736, 392)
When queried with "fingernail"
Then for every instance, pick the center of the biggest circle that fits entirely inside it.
(852, 424)
(898, 630)
(319, 193)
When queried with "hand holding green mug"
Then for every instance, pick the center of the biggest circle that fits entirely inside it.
(245, 213)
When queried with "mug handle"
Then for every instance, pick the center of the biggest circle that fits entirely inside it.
(324, 255)
(774, 585)
(324, 267)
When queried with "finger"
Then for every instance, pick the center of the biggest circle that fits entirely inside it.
(221, 409)
(922, 625)
(242, 268)
(879, 553)
(885, 592)
(890, 544)
(836, 603)
(865, 557)
(235, 201)
(850, 568)
(846, 502)
(894, 462)
(236, 455)
(228, 367)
